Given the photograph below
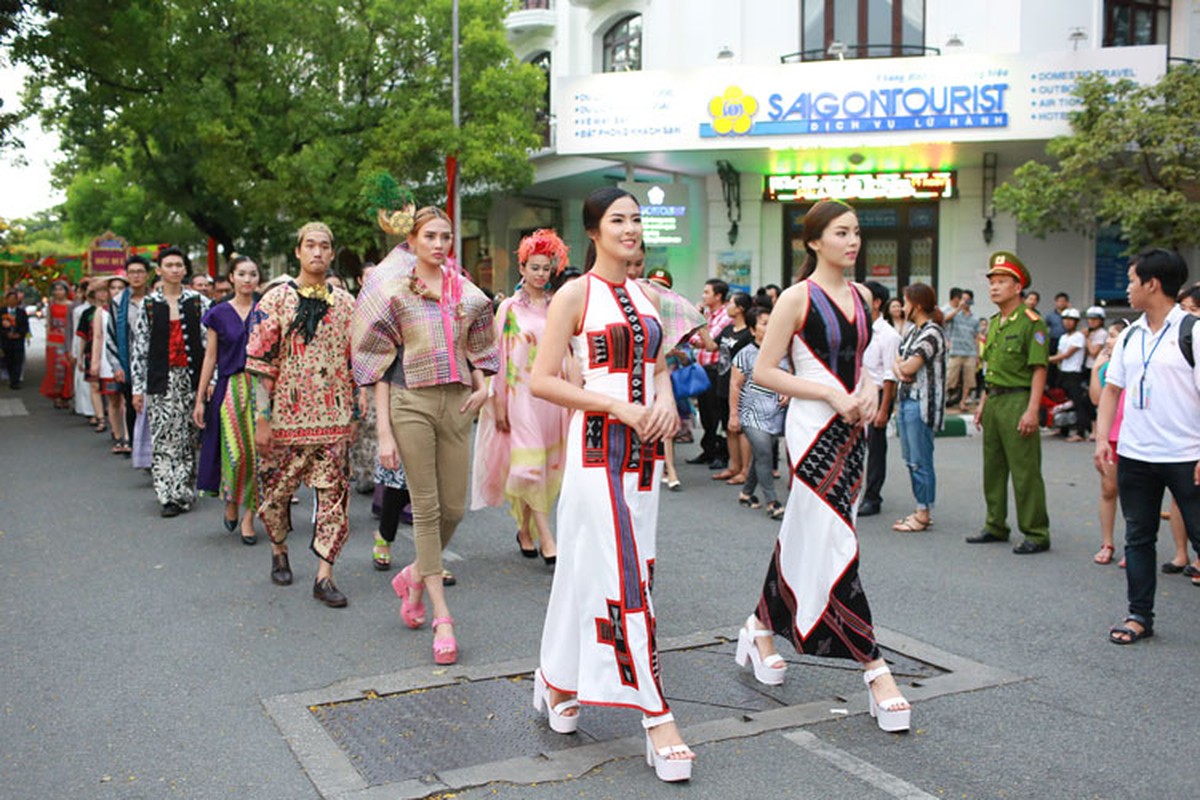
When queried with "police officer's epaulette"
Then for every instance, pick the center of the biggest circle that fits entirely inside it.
(1033, 315)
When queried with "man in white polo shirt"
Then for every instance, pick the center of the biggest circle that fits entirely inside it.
(878, 359)
(1159, 443)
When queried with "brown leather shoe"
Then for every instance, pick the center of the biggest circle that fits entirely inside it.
(329, 594)
(281, 570)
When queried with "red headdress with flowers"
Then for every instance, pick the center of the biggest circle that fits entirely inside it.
(544, 242)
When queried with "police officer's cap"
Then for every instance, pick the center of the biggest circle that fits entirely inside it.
(660, 276)
(1003, 262)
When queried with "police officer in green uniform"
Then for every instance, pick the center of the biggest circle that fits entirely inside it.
(1016, 351)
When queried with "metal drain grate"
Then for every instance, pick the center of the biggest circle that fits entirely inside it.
(424, 733)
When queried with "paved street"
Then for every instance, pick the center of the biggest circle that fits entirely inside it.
(151, 658)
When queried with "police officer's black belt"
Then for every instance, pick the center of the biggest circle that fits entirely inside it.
(995, 391)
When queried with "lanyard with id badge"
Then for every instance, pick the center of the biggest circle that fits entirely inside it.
(1141, 398)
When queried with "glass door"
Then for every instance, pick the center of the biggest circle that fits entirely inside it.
(899, 243)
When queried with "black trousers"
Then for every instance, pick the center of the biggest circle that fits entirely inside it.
(14, 362)
(394, 501)
(130, 411)
(1073, 384)
(714, 412)
(1140, 485)
(876, 461)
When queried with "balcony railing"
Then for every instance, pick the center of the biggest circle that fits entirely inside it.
(839, 50)
(531, 16)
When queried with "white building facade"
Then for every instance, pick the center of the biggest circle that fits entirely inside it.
(732, 117)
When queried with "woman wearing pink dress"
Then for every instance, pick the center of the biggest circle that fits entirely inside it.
(520, 442)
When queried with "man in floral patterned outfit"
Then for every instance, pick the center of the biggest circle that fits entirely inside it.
(299, 351)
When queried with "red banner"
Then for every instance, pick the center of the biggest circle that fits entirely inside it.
(451, 174)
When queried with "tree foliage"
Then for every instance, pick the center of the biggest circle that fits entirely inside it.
(1132, 160)
(246, 118)
(11, 12)
(41, 234)
(109, 198)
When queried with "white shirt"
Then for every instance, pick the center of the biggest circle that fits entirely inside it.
(1162, 427)
(1096, 337)
(881, 353)
(1074, 362)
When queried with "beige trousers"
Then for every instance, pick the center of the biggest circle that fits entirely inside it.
(434, 440)
(961, 369)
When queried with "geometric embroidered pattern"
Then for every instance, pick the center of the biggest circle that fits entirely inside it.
(637, 388)
(594, 451)
(833, 466)
(611, 631)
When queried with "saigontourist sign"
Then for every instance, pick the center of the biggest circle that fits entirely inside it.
(837, 103)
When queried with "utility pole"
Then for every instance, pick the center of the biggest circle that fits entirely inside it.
(455, 200)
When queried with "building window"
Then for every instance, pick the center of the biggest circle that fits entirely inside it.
(542, 62)
(1134, 22)
(862, 29)
(623, 45)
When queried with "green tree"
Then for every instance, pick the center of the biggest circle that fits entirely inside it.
(109, 199)
(247, 118)
(42, 234)
(11, 12)
(1132, 160)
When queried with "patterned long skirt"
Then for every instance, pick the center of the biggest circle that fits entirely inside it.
(812, 593)
(59, 383)
(599, 637)
(239, 483)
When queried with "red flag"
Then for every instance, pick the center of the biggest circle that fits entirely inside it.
(451, 175)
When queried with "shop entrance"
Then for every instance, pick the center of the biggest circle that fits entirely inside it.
(899, 243)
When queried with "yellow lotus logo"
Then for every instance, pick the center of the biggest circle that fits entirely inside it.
(731, 112)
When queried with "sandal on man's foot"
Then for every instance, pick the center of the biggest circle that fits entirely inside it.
(381, 554)
(912, 524)
(1123, 634)
(775, 510)
(749, 500)
(1105, 555)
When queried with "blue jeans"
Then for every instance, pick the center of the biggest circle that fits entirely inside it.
(916, 448)
(1140, 485)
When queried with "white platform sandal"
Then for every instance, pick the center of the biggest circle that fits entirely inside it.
(889, 718)
(667, 766)
(765, 671)
(560, 721)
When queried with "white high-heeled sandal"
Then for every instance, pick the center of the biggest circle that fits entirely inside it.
(665, 767)
(889, 718)
(765, 671)
(560, 721)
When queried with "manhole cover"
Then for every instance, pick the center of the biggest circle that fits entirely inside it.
(412, 734)
(423, 733)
